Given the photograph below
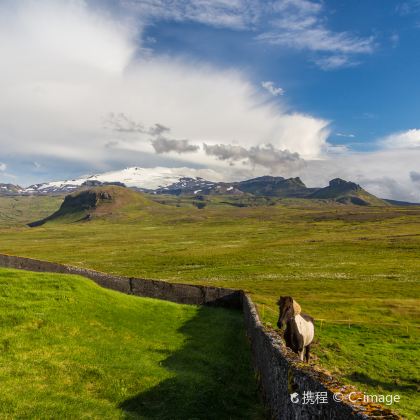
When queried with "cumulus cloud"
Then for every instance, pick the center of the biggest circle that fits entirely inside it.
(382, 172)
(403, 140)
(337, 149)
(226, 151)
(266, 156)
(165, 145)
(3, 167)
(158, 129)
(65, 66)
(121, 123)
(270, 87)
(415, 176)
(270, 157)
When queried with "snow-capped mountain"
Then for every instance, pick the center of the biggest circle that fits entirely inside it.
(10, 189)
(190, 181)
(146, 179)
(187, 185)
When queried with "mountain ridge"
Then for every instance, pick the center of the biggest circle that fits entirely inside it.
(187, 181)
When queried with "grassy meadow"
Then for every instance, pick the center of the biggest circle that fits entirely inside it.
(73, 350)
(355, 268)
(16, 210)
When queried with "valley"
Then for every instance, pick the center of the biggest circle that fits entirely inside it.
(354, 268)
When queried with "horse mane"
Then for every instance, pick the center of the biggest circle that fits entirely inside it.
(296, 308)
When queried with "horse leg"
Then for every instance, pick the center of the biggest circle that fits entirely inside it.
(307, 350)
(301, 353)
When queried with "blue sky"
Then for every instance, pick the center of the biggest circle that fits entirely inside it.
(316, 89)
(371, 96)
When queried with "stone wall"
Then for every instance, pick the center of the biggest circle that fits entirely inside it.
(279, 371)
(174, 292)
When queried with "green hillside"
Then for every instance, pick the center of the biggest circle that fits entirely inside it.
(89, 203)
(346, 265)
(19, 210)
(70, 349)
(274, 186)
(346, 192)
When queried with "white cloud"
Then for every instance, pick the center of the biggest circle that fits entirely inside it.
(270, 87)
(348, 135)
(162, 144)
(391, 171)
(334, 62)
(298, 24)
(67, 67)
(408, 7)
(266, 156)
(3, 167)
(307, 36)
(385, 173)
(337, 149)
(415, 176)
(403, 140)
(234, 14)
(301, 25)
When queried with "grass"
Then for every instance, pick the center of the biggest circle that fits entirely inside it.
(339, 262)
(70, 349)
(20, 210)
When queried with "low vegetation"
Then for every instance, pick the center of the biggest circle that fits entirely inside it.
(356, 268)
(70, 349)
(19, 210)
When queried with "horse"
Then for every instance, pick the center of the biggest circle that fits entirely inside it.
(300, 329)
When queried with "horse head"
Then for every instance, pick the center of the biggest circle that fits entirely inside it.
(288, 308)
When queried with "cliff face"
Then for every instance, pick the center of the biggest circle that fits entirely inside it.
(98, 201)
(346, 192)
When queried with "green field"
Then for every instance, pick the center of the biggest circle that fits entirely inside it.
(70, 349)
(16, 210)
(339, 262)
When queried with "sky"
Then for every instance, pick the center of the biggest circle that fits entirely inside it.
(316, 89)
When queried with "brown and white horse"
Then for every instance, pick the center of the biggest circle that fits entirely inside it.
(300, 330)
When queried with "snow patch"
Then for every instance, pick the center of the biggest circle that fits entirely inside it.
(146, 178)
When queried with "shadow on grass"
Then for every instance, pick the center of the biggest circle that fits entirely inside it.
(375, 383)
(212, 374)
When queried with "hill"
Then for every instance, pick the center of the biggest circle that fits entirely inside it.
(346, 192)
(96, 202)
(187, 181)
(71, 349)
(274, 186)
(400, 203)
